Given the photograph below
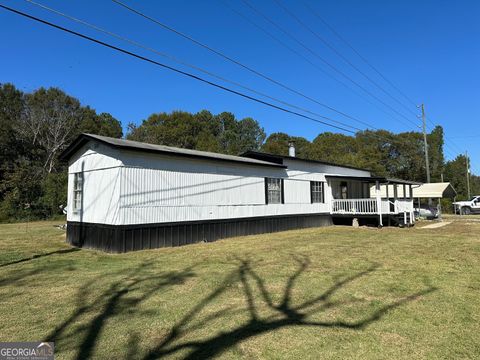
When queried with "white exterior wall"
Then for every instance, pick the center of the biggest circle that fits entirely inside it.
(391, 190)
(101, 184)
(310, 171)
(158, 188)
(126, 187)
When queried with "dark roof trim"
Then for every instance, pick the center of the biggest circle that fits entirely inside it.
(279, 159)
(382, 180)
(159, 149)
(401, 181)
(358, 178)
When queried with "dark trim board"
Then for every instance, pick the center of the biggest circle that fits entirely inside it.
(125, 238)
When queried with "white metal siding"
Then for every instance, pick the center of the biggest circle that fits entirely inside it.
(158, 189)
(101, 190)
(311, 170)
(101, 186)
(127, 187)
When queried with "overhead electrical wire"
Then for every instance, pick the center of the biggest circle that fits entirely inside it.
(467, 137)
(171, 29)
(232, 60)
(364, 132)
(184, 63)
(366, 61)
(447, 140)
(308, 49)
(299, 54)
(133, 42)
(140, 57)
(316, 14)
(228, 58)
(168, 67)
(269, 34)
(334, 68)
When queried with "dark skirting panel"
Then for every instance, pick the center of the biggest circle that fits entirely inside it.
(124, 238)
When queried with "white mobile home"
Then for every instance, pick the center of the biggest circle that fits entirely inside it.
(125, 195)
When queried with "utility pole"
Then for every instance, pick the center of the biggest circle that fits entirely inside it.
(468, 175)
(427, 165)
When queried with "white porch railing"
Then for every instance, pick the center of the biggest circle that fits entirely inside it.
(354, 206)
(403, 206)
(370, 206)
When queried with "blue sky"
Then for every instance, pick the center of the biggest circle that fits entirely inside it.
(428, 49)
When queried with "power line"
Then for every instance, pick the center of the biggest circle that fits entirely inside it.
(192, 66)
(466, 137)
(447, 141)
(195, 77)
(121, 50)
(340, 55)
(182, 72)
(184, 63)
(269, 34)
(315, 54)
(335, 68)
(230, 59)
(282, 43)
(315, 13)
(222, 55)
(188, 37)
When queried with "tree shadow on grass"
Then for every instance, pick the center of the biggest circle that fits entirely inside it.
(37, 256)
(117, 299)
(281, 314)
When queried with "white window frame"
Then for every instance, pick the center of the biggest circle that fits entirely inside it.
(317, 192)
(274, 191)
(78, 181)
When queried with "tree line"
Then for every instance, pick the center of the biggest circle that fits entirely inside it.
(38, 126)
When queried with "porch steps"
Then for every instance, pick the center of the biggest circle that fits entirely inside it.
(399, 220)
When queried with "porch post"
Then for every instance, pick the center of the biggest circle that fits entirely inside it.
(379, 203)
(404, 201)
(412, 214)
(388, 199)
(395, 196)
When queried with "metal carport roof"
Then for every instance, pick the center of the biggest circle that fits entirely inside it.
(434, 190)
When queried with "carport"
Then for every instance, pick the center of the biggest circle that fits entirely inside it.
(434, 191)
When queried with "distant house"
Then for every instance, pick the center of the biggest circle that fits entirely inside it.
(126, 195)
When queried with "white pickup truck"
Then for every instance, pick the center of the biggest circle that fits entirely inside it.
(468, 207)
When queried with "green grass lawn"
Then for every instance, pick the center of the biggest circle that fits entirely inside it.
(335, 292)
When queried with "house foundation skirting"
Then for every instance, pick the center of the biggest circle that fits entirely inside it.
(124, 238)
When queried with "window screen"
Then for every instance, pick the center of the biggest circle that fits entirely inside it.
(316, 192)
(274, 191)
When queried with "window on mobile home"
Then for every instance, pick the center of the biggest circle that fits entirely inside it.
(77, 191)
(274, 191)
(316, 192)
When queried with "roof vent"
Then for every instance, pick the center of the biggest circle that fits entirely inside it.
(291, 150)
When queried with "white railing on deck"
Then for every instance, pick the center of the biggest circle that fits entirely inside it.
(370, 206)
(403, 206)
(354, 206)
